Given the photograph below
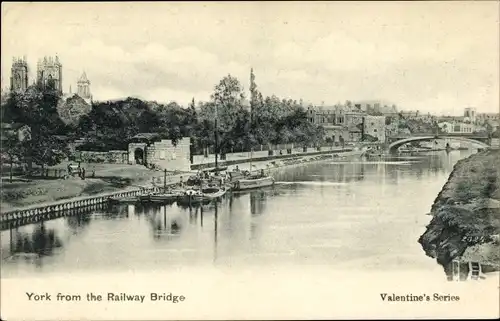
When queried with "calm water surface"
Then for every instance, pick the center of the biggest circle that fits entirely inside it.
(366, 214)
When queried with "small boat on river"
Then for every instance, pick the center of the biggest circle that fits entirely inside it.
(123, 200)
(205, 195)
(213, 193)
(252, 182)
(168, 197)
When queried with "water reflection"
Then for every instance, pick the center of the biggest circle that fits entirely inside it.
(362, 214)
(31, 245)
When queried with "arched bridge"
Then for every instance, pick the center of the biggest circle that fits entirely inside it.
(483, 141)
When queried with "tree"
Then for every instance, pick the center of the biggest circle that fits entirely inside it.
(228, 108)
(49, 151)
(37, 108)
(14, 151)
(254, 97)
(228, 99)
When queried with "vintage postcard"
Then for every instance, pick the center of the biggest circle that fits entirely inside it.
(250, 160)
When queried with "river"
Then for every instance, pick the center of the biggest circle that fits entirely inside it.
(358, 215)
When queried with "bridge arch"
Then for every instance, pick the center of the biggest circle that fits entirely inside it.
(393, 146)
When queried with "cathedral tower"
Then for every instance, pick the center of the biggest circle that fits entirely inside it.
(19, 75)
(49, 73)
(84, 87)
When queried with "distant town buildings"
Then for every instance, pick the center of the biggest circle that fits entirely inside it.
(19, 75)
(457, 128)
(375, 127)
(470, 122)
(470, 115)
(354, 122)
(49, 74)
(84, 87)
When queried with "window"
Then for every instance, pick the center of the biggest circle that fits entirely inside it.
(174, 155)
(162, 154)
(375, 130)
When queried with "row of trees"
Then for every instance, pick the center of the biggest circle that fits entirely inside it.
(36, 108)
(268, 121)
(110, 125)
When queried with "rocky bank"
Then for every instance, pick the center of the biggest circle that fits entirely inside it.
(466, 214)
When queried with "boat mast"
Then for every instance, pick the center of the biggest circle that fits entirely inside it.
(216, 142)
(251, 157)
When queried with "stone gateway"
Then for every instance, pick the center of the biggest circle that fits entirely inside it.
(161, 154)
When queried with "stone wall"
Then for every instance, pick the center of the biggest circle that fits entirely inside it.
(495, 143)
(375, 126)
(112, 156)
(141, 147)
(165, 155)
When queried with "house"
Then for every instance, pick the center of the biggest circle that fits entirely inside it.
(374, 126)
(338, 121)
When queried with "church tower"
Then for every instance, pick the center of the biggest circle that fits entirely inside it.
(19, 75)
(49, 73)
(84, 87)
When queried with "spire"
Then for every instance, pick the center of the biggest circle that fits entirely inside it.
(70, 89)
(83, 77)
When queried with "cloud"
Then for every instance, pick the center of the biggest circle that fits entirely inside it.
(414, 54)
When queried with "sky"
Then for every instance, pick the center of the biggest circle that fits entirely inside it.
(437, 57)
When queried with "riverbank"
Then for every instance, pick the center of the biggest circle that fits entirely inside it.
(23, 192)
(466, 215)
(110, 178)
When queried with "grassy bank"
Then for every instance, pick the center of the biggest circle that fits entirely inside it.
(108, 178)
(466, 217)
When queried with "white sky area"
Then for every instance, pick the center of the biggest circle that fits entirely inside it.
(437, 57)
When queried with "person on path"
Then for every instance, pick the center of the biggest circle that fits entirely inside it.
(83, 173)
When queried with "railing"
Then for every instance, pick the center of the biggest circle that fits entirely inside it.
(37, 210)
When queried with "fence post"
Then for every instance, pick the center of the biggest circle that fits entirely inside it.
(165, 180)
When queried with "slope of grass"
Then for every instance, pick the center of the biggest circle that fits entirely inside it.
(108, 178)
(461, 214)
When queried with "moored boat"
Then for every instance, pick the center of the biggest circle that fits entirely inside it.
(205, 195)
(168, 197)
(128, 200)
(253, 182)
(212, 193)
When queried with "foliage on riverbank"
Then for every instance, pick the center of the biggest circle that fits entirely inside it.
(463, 215)
(111, 125)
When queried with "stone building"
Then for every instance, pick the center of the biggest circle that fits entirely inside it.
(339, 121)
(19, 75)
(457, 127)
(392, 126)
(470, 115)
(49, 73)
(148, 150)
(375, 127)
(83, 86)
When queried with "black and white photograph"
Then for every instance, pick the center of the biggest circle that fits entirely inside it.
(250, 160)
